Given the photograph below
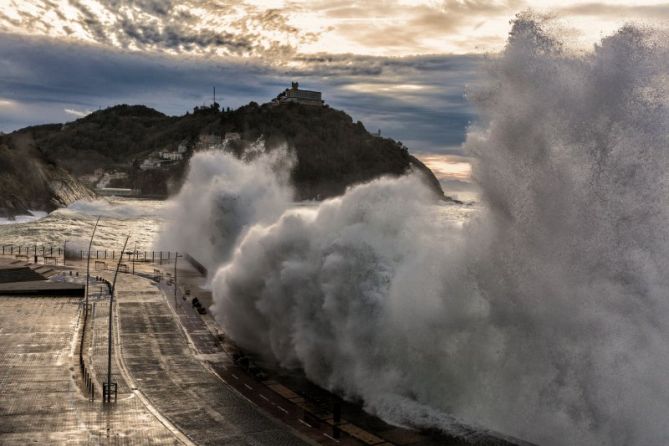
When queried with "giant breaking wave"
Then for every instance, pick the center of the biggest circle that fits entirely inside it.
(545, 317)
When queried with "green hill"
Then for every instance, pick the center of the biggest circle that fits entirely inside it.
(332, 151)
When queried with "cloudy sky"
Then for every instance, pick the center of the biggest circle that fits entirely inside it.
(401, 66)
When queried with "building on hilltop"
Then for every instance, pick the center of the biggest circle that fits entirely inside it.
(294, 94)
(171, 156)
(207, 141)
(151, 164)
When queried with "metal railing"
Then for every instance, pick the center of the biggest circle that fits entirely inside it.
(54, 253)
(89, 385)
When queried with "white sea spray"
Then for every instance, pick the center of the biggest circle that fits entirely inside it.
(545, 317)
(222, 197)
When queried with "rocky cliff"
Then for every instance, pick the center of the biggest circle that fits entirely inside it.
(29, 181)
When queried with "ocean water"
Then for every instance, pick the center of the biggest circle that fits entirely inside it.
(141, 219)
(34, 215)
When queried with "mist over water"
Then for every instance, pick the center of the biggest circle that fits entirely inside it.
(546, 316)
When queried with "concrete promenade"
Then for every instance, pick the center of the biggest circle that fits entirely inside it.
(165, 394)
(163, 363)
(41, 397)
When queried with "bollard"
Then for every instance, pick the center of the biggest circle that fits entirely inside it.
(336, 418)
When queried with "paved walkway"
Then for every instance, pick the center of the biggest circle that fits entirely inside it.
(41, 401)
(163, 365)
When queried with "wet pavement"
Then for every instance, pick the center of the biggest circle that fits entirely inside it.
(41, 399)
(162, 362)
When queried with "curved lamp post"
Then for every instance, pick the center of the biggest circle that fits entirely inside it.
(176, 257)
(88, 261)
(107, 394)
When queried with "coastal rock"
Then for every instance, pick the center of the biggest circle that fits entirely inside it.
(30, 181)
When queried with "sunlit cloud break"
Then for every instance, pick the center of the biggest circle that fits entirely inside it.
(448, 167)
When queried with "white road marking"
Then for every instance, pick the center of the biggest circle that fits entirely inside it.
(333, 439)
(263, 397)
(282, 409)
(248, 387)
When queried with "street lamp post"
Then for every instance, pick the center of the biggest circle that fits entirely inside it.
(107, 394)
(134, 257)
(88, 261)
(176, 257)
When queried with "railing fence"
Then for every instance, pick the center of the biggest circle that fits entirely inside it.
(51, 253)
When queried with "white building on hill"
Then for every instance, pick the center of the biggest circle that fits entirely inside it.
(294, 94)
(207, 141)
(150, 164)
(171, 156)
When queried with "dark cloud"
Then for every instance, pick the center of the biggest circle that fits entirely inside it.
(166, 29)
(43, 78)
(53, 6)
(177, 38)
(90, 22)
(219, 28)
(154, 7)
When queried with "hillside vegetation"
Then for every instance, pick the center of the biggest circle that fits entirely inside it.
(332, 151)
